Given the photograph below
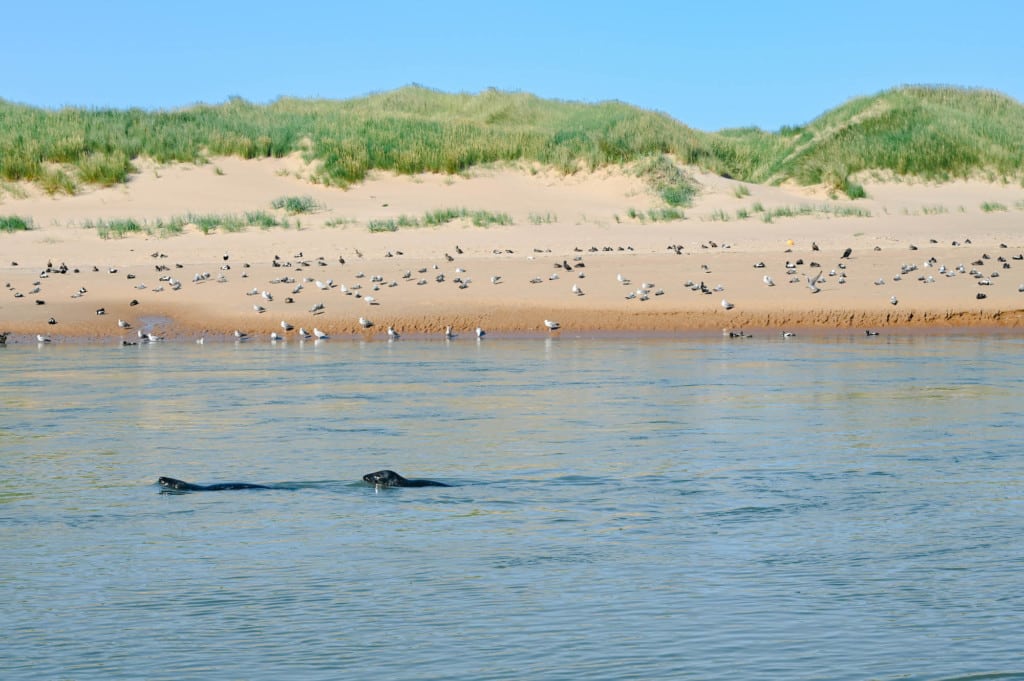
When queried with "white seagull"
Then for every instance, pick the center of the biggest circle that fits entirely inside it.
(43, 339)
(123, 324)
(812, 283)
(275, 336)
(480, 333)
(552, 325)
(286, 326)
(365, 323)
(320, 335)
(392, 334)
(448, 333)
(727, 305)
(303, 333)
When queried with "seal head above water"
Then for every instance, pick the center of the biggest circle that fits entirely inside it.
(182, 486)
(388, 478)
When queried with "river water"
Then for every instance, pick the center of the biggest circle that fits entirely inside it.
(806, 508)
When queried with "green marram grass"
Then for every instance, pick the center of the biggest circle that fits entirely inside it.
(438, 217)
(117, 228)
(207, 223)
(14, 223)
(295, 205)
(936, 133)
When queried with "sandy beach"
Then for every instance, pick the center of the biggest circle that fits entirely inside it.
(922, 256)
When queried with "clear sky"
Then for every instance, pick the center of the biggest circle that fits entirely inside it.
(711, 65)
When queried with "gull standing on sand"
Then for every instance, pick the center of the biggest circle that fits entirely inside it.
(320, 335)
(552, 325)
(727, 305)
(286, 326)
(365, 323)
(123, 324)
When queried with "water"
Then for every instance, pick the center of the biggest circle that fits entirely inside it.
(816, 508)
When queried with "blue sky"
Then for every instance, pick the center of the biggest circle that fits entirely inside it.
(710, 65)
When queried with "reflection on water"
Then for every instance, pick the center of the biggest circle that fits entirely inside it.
(816, 508)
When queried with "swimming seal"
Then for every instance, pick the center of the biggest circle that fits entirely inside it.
(392, 479)
(182, 486)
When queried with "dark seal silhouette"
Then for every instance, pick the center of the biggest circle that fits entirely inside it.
(388, 478)
(182, 486)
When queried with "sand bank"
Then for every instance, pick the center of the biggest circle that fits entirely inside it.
(921, 256)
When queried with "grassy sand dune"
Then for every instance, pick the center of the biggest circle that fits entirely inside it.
(929, 132)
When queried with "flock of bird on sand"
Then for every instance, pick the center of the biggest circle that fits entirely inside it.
(796, 271)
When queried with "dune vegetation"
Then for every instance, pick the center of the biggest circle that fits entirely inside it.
(936, 133)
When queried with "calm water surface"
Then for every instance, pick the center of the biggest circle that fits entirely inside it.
(817, 508)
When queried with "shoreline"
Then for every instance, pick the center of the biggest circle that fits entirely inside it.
(522, 325)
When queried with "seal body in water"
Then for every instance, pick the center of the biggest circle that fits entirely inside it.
(182, 486)
(392, 479)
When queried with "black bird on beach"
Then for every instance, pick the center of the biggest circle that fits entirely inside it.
(847, 253)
